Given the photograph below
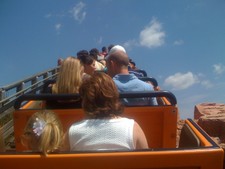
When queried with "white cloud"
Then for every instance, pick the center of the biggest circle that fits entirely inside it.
(129, 44)
(153, 35)
(78, 12)
(206, 84)
(178, 42)
(219, 68)
(181, 81)
(58, 27)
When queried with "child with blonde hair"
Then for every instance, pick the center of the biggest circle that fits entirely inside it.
(43, 132)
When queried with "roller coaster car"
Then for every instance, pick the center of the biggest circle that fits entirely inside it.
(159, 123)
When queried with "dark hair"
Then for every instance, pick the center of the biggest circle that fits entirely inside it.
(82, 53)
(86, 60)
(110, 47)
(133, 63)
(94, 53)
(100, 97)
(104, 49)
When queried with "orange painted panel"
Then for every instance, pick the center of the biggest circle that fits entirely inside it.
(165, 159)
(159, 123)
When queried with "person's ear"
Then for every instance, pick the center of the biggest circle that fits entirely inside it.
(112, 64)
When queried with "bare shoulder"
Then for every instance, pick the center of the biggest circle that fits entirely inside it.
(139, 137)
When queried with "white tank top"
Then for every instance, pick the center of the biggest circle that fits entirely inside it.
(102, 134)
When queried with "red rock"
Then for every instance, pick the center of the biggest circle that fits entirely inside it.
(211, 117)
(209, 109)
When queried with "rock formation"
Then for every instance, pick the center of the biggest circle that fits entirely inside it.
(211, 117)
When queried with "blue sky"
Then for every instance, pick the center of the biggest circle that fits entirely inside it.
(179, 42)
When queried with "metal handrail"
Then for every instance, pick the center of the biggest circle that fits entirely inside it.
(52, 71)
(7, 129)
(26, 89)
(51, 97)
(9, 93)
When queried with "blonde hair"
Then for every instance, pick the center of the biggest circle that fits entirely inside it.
(45, 132)
(70, 76)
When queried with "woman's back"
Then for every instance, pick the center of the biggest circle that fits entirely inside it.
(102, 134)
(104, 128)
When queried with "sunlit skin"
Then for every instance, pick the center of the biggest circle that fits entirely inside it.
(27, 141)
(89, 69)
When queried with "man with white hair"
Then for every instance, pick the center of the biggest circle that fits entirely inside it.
(114, 49)
(117, 63)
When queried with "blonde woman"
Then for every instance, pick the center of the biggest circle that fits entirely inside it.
(68, 81)
(43, 133)
(70, 76)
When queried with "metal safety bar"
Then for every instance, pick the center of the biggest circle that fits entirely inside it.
(64, 97)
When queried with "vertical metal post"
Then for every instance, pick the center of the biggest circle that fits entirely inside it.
(45, 76)
(33, 81)
(2, 96)
(19, 88)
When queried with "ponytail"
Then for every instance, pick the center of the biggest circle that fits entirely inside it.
(50, 139)
(47, 132)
